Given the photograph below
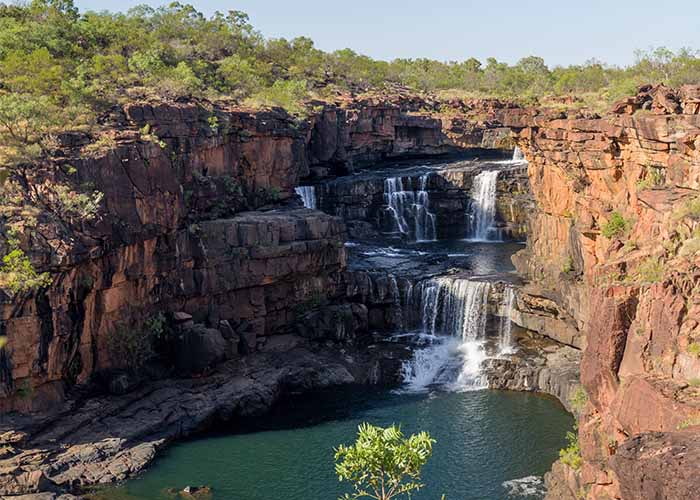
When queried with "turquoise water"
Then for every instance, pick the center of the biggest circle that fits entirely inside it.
(484, 438)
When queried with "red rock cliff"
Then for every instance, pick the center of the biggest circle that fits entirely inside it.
(615, 240)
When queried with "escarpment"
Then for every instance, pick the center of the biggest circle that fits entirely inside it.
(199, 217)
(612, 253)
(202, 290)
(202, 248)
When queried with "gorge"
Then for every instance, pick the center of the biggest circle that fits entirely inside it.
(394, 273)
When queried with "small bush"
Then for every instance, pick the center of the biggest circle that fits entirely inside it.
(616, 226)
(571, 455)
(568, 265)
(651, 270)
(694, 349)
(102, 145)
(654, 178)
(130, 347)
(689, 422)
(18, 275)
(289, 95)
(578, 399)
(148, 135)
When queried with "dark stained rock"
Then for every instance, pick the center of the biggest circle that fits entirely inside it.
(197, 349)
(658, 465)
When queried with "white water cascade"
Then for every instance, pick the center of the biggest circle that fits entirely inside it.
(308, 195)
(454, 314)
(410, 207)
(518, 155)
(505, 337)
(483, 207)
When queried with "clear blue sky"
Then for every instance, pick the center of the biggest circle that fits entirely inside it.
(560, 31)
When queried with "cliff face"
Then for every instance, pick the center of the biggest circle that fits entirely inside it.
(361, 202)
(355, 132)
(613, 247)
(198, 218)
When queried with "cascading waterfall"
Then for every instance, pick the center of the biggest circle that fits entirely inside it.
(454, 314)
(410, 208)
(505, 340)
(308, 195)
(518, 155)
(483, 207)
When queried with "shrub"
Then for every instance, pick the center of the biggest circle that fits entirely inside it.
(694, 349)
(102, 145)
(568, 265)
(383, 464)
(130, 347)
(616, 226)
(18, 275)
(578, 399)
(651, 270)
(654, 178)
(571, 455)
(289, 95)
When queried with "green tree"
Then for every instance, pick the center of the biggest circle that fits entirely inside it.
(18, 275)
(383, 464)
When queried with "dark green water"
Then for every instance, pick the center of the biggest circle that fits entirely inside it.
(484, 438)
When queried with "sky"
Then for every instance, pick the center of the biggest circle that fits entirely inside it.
(561, 31)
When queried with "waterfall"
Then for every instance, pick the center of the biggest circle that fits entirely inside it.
(518, 155)
(454, 314)
(410, 207)
(483, 207)
(308, 195)
(505, 340)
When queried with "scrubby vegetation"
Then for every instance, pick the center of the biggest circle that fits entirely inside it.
(61, 69)
(578, 400)
(571, 455)
(616, 226)
(58, 67)
(383, 464)
(651, 270)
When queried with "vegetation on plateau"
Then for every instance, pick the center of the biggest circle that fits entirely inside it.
(382, 463)
(61, 69)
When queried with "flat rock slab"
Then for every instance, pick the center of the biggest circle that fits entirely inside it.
(107, 439)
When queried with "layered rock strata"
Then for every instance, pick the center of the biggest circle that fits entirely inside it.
(614, 241)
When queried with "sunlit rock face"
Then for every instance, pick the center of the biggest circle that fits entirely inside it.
(630, 293)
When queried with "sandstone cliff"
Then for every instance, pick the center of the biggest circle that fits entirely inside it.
(613, 247)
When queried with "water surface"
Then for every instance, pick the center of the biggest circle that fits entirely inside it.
(484, 438)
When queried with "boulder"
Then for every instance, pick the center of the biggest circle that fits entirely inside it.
(198, 348)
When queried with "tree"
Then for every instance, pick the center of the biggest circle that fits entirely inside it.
(383, 464)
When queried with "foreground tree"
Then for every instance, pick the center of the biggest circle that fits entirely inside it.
(383, 464)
